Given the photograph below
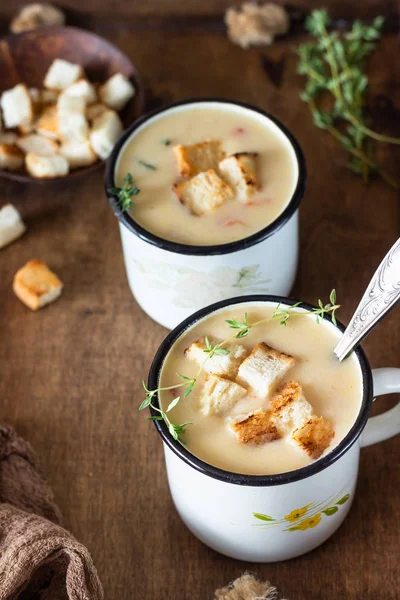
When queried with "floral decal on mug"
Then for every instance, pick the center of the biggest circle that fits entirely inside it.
(306, 517)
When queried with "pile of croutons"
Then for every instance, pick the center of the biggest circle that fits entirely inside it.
(68, 124)
(209, 177)
(284, 413)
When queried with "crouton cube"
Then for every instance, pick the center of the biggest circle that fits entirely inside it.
(82, 89)
(105, 132)
(17, 106)
(219, 395)
(203, 193)
(78, 154)
(35, 285)
(290, 409)
(239, 171)
(62, 74)
(11, 157)
(36, 15)
(256, 428)
(70, 104)
(263, 368)
(44, 167)
(117, 91)
(73, 127)
(8, 137)
(11, 225)
(47, 124)
(38, 144)
(220, 364)
(197, 158)
(95, 110)
(315, 436)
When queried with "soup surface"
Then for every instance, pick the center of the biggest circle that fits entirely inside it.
(148, 155)
(333, 388)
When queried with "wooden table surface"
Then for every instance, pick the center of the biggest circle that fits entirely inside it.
(71, 374)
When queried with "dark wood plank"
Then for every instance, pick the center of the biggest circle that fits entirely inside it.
(71, 374)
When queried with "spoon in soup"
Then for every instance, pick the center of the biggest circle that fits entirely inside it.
(380, 296)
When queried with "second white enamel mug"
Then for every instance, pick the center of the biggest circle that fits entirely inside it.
(171, 280)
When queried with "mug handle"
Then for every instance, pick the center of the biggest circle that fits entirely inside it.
(386, 425)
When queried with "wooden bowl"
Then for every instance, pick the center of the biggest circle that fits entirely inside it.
(25, 58)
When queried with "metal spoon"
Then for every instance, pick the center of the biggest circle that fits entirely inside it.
(380, 296)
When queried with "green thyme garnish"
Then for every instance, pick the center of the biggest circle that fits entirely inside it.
(124, 194)
(334, 67)
(166, 142)
(147, 165)
(281, 314)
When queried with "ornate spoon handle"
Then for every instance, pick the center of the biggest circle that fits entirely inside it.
(381, 295)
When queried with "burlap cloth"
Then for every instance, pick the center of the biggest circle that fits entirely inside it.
(39, 560)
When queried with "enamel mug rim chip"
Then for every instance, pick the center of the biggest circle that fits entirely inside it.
(258, 480)
(211, 250)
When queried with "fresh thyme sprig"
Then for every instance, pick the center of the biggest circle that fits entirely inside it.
(334, 66)
(125, 193)
(244, 327)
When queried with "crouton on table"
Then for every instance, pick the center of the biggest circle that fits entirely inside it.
(36, 15)
(219, 395)
(17, 106)
(314, 436)
(256, 428)
(203, 193)
(117, 91)
(105, 132)
(35, 285)
(197, 158)
(290, 408)
(219, 364)
(239, 171)
(11, 225)
(49, 166)
(11, 158)
(263, 368)
(62, 74)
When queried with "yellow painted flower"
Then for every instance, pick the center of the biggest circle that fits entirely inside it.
(297, 513)
(307, 523)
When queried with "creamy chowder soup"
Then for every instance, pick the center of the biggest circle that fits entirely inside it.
(331, 392)
(150, 157)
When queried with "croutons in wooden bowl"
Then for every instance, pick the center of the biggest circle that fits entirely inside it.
(66, 96)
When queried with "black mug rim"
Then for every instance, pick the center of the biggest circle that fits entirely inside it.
(258, 480)
(211, 250)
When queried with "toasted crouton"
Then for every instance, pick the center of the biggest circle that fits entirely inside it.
(239, 171)
(38, 144)
(219, 364)
(78, 154)
(203, 193)
(197, 158)
(17, 106)
(106, 130)
(35, 285)
(37, 15)
(263, 368)
(117, 91)
(73, 127)
(11, 225)
(45, 167)
(82, 89)
(47, 124)
(219, 395)
(62, 74)
(256, 428)
(254, 24)
(8, 137)
(95, 110)
(11, 157)
(70, 104)
(314, 437)
(290, 410)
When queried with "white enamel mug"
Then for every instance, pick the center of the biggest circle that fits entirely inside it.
(158, 269)
(268, 518)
